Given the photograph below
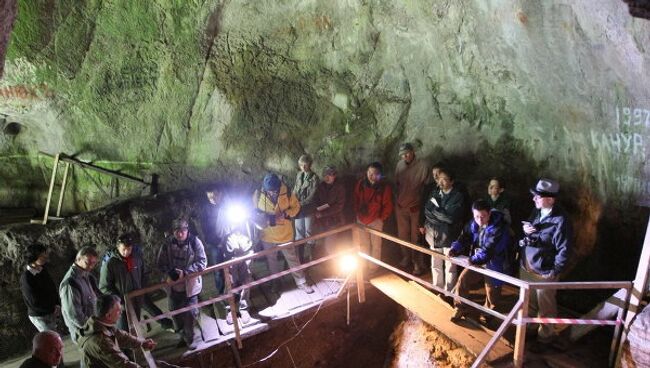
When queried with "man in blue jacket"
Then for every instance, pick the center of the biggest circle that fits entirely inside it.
(488, 239)
(545, 251)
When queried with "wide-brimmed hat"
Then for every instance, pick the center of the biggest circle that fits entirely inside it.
(405, 147)
(546, 188)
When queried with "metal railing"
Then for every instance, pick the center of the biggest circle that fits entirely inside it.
(520, 309)
(517, 316)
(229, 293)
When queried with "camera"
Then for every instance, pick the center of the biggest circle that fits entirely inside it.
(174, 275)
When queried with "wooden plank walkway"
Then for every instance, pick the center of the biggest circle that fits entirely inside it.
(265, 307)
(437, 313)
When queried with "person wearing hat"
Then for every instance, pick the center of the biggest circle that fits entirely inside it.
(179, 257)
(545, 251)
(122, 271)
(330, 200)
(305, 190)
(279, 207)
(411, 176)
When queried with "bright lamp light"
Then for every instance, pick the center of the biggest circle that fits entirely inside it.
(348, 263)
(236, 214)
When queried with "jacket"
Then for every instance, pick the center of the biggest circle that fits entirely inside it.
(114, 278)
(548, 249)
(503, 203)
(489, 247)
(305, 190)
(372, 202)
(287, 203)
(101, 346)
(78, 291)
(445, 220)
(39, 292)
(410, 180)
(213, 221)
(33, 362)
(334, 196)
(189, 257)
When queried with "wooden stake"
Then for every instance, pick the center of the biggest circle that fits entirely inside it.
(49, 193)
(61, 194)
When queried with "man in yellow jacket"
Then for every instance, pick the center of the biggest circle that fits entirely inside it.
(279, 206)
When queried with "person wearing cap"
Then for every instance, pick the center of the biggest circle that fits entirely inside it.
(278, 207)
(411, 176)
(305, 190)
(545, 251)
(122, 271)
(179, 257)
(330, 200)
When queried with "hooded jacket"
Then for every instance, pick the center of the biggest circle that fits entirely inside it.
(286, 203)
(114, 278)
(101, 346)
(489, 247)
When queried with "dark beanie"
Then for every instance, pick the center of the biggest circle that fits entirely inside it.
(271, 182)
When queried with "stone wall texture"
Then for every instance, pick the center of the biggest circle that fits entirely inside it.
(197, 91)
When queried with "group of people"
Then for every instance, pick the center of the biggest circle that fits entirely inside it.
(94, 312)
(430, 208)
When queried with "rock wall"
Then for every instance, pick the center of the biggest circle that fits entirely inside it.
(220, 89)
(148, 218)
(213, 90)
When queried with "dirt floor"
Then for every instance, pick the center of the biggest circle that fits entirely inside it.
(325, 341)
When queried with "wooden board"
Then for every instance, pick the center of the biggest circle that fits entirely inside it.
(437, 313)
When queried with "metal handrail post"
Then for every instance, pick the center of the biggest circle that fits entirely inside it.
(497, 335)
(520, 335)
(619, 332)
